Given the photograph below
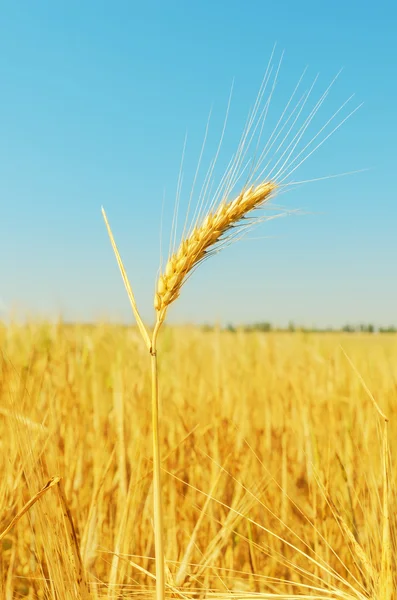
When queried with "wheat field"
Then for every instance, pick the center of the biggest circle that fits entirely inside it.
(276, 471)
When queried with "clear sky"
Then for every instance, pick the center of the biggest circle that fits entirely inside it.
(96, 101)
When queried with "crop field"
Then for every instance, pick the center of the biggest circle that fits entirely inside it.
(278, 465)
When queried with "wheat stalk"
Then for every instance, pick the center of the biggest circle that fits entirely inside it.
(203, 239)
(211, 232)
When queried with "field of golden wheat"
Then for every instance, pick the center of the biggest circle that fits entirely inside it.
(276, 470)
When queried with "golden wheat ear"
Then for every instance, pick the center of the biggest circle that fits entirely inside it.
(204, 239)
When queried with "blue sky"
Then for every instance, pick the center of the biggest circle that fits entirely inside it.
(97, 99)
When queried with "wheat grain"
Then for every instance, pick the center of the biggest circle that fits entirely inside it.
(203, 239)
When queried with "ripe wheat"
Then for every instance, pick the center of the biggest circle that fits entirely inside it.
(204, 238)
(265, 173)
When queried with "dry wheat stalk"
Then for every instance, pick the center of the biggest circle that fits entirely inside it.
(265, 173)
(203, 238)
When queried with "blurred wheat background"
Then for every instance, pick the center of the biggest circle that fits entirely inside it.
(271, 454)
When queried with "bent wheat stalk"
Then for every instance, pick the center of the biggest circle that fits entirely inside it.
(208, 234)
(191, 252)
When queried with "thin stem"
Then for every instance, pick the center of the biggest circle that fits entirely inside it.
(157, 495)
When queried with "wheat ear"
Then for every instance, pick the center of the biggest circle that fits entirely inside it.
(203, 239)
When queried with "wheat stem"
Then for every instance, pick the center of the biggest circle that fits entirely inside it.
(157, 494)
(157, 500)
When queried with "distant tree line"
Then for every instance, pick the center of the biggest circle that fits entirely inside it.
(266, 327)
